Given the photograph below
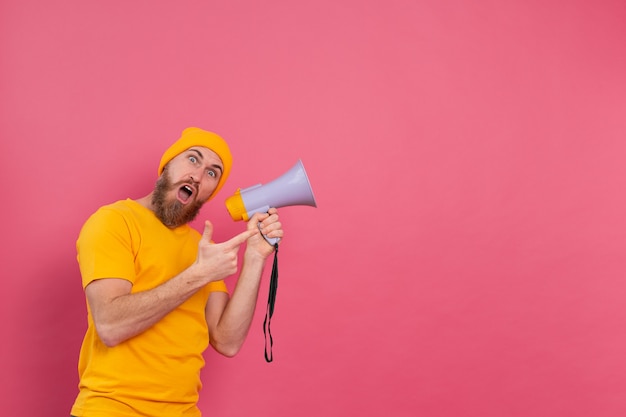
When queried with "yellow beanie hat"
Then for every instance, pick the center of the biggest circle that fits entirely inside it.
(194, 136)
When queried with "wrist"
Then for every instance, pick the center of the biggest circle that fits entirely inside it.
(195, 273)
(252, 256)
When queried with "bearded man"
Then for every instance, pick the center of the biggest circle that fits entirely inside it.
(155, 291)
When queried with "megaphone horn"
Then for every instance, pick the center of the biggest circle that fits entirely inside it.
(290, 189)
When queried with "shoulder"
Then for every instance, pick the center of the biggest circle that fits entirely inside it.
(115, 216)
(122, 209)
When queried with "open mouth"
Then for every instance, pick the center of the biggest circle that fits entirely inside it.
(185, 193)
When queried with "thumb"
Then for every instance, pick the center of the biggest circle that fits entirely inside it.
(208, 231)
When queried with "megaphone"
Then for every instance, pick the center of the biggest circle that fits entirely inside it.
(290, 189)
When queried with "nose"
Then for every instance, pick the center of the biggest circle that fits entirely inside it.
(196, 176)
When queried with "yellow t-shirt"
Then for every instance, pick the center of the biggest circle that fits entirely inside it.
(156, 373)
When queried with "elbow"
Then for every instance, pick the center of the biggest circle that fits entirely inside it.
(110, 342)
(229, 353)
(108, 335)
(229, 350)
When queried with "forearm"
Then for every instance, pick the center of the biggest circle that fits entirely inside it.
(231, 330)
(121, 316)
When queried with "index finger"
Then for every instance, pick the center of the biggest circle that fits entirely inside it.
(240, 238)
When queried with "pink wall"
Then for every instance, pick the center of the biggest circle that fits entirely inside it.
(467, 254)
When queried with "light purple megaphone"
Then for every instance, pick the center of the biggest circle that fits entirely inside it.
(290, 189)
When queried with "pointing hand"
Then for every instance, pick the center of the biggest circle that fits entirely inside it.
(219, 260)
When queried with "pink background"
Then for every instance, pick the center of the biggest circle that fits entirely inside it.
(467, 254)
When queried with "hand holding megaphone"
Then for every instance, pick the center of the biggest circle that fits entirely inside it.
(290, 189)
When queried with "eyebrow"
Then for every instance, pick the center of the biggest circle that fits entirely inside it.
(202, 159)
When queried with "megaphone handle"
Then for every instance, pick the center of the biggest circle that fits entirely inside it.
(271, 240)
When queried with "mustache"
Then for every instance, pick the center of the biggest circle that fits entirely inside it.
(174, 185)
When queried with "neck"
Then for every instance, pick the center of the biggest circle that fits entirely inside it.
(146, 202)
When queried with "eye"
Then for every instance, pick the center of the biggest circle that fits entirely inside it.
(193, 159)
(211, 173)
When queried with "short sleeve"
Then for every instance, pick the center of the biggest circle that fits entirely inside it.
(217, 286)
(105, 247)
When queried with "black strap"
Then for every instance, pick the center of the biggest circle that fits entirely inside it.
(271, 301)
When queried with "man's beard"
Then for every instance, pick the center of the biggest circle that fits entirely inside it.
(172, 213)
